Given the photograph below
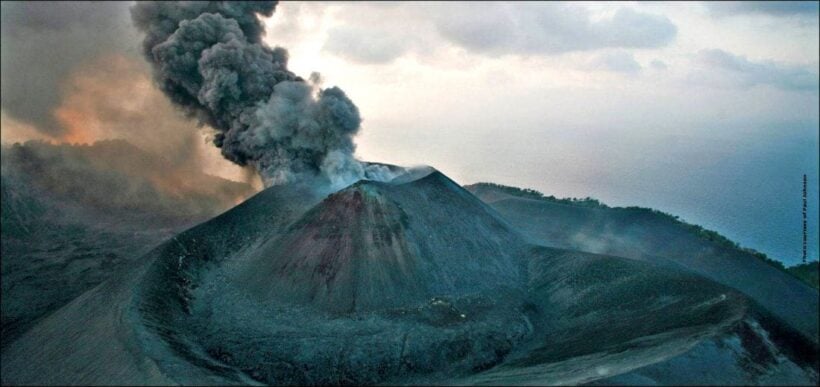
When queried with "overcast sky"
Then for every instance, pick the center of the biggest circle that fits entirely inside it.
(709, 111)
(460, 76)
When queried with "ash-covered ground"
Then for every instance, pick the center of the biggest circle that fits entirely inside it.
(131, 266)
(73, 214)
(418, 280)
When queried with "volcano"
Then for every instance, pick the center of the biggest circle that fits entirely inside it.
(410, 281)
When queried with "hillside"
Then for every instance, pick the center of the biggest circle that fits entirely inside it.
(808, 272)
(652, 236)
(73, 214)
(111, 180)
(376, 243)
(414, 281)
(491, 192)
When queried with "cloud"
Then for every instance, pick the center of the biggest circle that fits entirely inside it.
(42, 42)
(548, 28)
(728, 70)
(114, 97)
(658, 64)
(16, 131)
(379, 33)
(366, 45)
(771, 8)
(618, 61)
(21, 18)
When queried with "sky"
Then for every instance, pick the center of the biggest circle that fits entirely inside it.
(708, 111)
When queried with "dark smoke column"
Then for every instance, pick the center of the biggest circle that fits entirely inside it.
(209, 59)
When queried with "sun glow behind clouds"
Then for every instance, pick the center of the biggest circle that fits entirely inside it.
(604, 114)
(578, 123)
(438, 91)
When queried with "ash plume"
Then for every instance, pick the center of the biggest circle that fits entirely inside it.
(43, 42)
(210, 60)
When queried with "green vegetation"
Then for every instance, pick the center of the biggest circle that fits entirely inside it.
(709, 235)
(528, 193)
(808, 272)
(714, 237)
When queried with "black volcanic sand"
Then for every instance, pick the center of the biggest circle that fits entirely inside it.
(640, 234)
(416, 281)
(781, 347)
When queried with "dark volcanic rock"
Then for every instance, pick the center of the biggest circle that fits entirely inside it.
(73, 214)
(415, 281)
(376, 245)
(783, 310)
